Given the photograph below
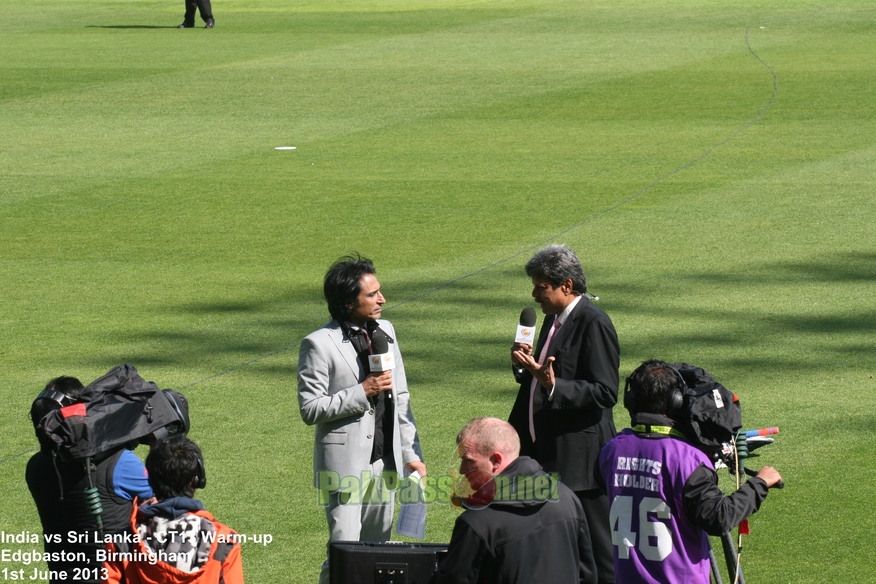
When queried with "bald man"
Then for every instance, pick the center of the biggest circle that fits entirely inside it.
(520, 523)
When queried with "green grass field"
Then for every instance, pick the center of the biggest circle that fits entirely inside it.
(712, 163)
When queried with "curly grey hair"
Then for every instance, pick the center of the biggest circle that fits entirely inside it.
(556, 264)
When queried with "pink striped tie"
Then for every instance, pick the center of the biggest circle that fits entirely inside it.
(541, 359)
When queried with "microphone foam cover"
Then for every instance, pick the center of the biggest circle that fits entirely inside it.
(379, 344)
(527, 317)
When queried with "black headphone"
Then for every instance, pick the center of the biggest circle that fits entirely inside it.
(62, 398)
(674, 402)
(201, 478)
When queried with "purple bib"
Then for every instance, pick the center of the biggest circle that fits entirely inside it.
(653, 539)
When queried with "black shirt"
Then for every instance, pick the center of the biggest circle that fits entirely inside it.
(381, 404)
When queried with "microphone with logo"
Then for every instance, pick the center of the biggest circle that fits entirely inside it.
(526, 328)
(381, 358)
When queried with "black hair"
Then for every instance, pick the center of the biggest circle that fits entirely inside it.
(556, 264)
(59, 392)
(653, 382)
(174, 466)
(342, 284)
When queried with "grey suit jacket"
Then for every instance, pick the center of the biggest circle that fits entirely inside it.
(331, 396)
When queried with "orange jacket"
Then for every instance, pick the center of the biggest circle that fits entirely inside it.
(130, 563)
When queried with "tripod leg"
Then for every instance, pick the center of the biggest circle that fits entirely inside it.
(716, 570)
(731, 558)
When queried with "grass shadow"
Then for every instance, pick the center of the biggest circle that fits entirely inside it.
(128, 26)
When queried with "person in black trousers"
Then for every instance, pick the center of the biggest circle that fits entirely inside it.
(203, 6)
(568, 387)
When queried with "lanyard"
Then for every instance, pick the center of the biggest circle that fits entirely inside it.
(649, 429)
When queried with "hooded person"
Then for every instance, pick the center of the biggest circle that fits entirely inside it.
(520, 523)
(175, 540)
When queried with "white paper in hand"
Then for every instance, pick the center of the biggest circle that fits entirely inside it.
(412, 515)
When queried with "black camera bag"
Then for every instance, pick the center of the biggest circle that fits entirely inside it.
(711, 415)
(117, 409)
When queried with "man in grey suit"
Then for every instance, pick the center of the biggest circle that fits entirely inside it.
(365, 431)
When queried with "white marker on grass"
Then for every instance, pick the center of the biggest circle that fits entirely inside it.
(285, 148)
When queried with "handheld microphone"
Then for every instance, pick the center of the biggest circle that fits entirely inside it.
(526, 328)
(381, 358)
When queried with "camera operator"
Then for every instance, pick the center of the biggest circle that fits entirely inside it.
(663, 491)
(57, 486)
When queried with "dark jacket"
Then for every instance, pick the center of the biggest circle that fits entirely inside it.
(534, 531)
(572, 427)
(68, 511)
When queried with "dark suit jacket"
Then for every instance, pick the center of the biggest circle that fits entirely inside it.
(571, 428)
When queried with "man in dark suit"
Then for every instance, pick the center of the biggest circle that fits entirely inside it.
(568, 387)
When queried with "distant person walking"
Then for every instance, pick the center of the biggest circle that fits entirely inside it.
(203, 6)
